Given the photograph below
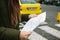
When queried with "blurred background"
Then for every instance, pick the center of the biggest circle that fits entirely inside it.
(50, 29)
(51, 2)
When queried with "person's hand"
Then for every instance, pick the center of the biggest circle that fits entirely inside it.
(24, 35)
(32, 15)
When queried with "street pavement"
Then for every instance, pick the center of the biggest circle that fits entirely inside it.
(50, 29)
(45, 32)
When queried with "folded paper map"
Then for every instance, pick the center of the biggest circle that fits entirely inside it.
(34, 22)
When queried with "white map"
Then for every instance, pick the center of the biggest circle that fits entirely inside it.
(34, 22)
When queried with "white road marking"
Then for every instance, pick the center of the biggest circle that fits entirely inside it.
(36, 36)
(43, 23)
(51, 31)
(58, 25)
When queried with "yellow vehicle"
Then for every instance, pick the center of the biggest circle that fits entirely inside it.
(58, 17)
(30, 7)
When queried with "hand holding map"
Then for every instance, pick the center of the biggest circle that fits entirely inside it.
(34, 22)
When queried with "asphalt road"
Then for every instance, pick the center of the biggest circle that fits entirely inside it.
(50, 29)
(52, 12)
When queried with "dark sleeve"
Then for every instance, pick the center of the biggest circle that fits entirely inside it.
(9, 34)
(24, 17)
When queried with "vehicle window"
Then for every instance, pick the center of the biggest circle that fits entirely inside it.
(28, 1)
